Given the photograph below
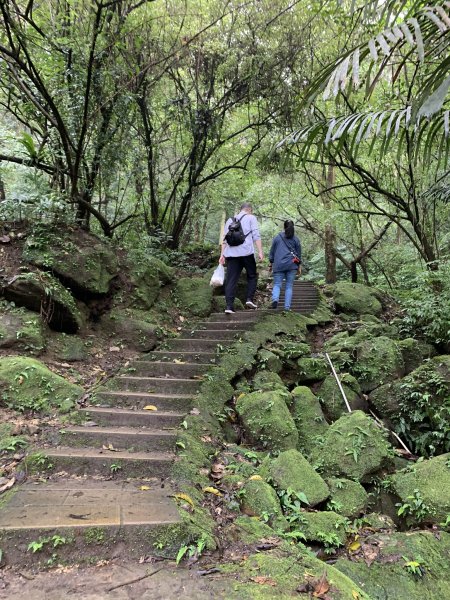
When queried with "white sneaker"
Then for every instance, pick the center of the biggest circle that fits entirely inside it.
(250, 304)
(229, 311)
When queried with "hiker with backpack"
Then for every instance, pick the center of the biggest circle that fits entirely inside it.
(285, 259)
(240, 233)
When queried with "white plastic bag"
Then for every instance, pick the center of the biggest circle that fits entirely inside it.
(217, 277)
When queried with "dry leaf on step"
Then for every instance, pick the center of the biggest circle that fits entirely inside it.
(150, 407)
(264, 580)
(212, 490)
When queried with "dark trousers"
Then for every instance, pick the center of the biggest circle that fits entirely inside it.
(234, 270)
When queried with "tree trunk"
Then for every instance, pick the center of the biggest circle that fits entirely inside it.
(330, 233)
(2, 191)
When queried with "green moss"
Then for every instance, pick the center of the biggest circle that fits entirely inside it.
(288, 351)
(353, 447)
(259, 499)
(311, 369)
(331, 396)
(348, 498)
(27, 384)
(280, 572)
(194, 295)
(67, 348)
(290, 470)
(308, 418)
(249, 530)
(21, 329)
(356, 298)
(388, 575)
(378, 361)
(147, 278)
(267, 421)
(83, 260)
(429, 481)
(135, 328)
(325, 527)
(412, 354)
(266, 381)
(270, 361)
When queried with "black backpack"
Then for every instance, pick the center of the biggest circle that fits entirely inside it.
(235, 235)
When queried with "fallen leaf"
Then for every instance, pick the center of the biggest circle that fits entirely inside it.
(255, 478)
(8, 485)
(179, 362)
(206, 438)
(355, 595)
(195, 411)
(321, 587)
(5, 239)
(144, 488)
(114, 349)
(240, 396)
(261, 580)
(212, 490)
(150, 407)
(185, 498)
(355, 545)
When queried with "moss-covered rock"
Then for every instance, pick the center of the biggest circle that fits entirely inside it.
(259, 499)
(354, 447)
(378, 361)
(310, 370)
(308, 417)
(27, 384)
(67, 348)
(291, 470)
(407, 565)
(355, 298)
(219, 304)
(147, 277)
(267, 421)
(86, 263)
(325, 527)
(195, 295)
(331, 396)
(22, 330)
(379, 522)
(288, 351)
(43, 293)
(348, 498)
(266, 381)
(269, 361)
(412, 354)
(419, 406)
(132, 327)
(429, 482)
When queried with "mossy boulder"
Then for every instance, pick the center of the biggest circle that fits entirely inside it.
(195, 295)
(308, 417)
(259, 499)
(389, 574)
(309, 370)
(147, 278)
(332, 399)
(354, 298)
(43, 293)
(289, 351)
(22, 330)
(267, 381)
(291, 470)
(266, 420)
(348, 498)
(354, 447)
(378, 361)
(412, 353)
(428, 481)
(420, 405)
(132, 327)
(67, 348)
(86, 263)
(27, 384)
(269, 361)
(325, 527)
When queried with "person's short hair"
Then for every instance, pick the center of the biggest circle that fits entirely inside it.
(246, 206)
(289, 229)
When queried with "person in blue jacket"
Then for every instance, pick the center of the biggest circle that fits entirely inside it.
(285, 262)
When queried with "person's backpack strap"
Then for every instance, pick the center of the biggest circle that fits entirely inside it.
(291, 250)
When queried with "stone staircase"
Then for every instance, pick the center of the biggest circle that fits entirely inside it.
(113, 469)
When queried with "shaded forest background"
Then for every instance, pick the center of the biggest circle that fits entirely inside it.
(149, 121)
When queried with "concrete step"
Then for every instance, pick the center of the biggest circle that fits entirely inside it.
(137, 400)
(122, 417)
(80, 461)
(194, 345)
(97, 516)
(225, 325)
(174, 356)
(121, 438)
(154, 385)
(216, 334)
(248, 316)
(148, 368)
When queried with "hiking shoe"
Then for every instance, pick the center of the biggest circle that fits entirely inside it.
(250, 304)
(230, 311)
(274, 304)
